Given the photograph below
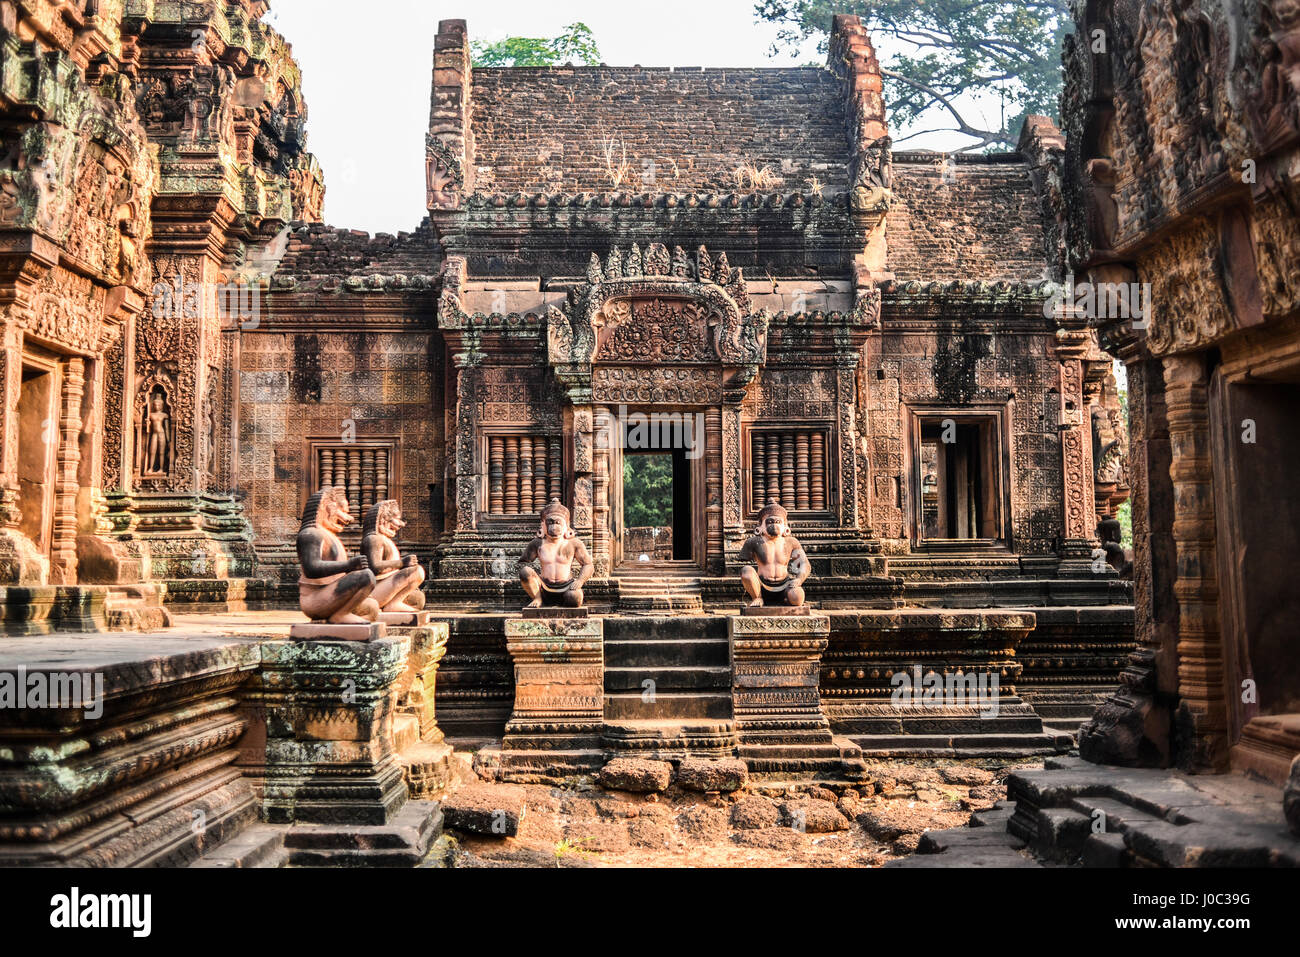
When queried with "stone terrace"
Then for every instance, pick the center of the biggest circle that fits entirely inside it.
(538, 128)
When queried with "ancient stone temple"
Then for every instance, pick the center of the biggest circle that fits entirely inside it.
(1184, 139)
(731, 268)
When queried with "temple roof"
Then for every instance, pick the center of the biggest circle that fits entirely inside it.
(316, 251)
(543, 128)
(986, 224)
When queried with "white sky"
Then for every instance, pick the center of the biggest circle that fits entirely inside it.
(366, 77)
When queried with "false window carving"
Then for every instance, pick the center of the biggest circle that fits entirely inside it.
(524, 473)
(364, 469)
(788, 466)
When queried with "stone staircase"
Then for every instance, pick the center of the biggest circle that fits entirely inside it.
(653, 589)
(1073, 813)
(668, 687)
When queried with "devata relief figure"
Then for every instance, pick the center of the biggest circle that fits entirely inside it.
(397, 578)
(780, 565)
(156, 429)
(333, 587)
(555, 549)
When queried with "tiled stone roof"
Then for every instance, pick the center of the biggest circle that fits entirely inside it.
(985, 224)
(540, 129)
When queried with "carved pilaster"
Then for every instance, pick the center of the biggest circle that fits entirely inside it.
(1133, 727)
(63, 550)
(1077, 548)
(601, 534)
(1202, 712)
(846, 385)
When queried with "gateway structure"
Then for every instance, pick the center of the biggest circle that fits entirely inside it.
(736, 258)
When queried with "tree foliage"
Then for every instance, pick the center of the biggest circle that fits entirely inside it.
(647, 491)
(575, 45)
(949, 49)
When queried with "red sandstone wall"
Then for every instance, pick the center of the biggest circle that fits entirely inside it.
(540, 128)
(294, 387)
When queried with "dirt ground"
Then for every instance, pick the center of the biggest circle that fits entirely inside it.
(805, 824)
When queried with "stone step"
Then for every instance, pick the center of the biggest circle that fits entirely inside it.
(667, 678)
(641, 583)
(259, 846)
(621, 707)
(1009, 745)
(658, 604)
(666, 627)
(681, 654)
(670, 740)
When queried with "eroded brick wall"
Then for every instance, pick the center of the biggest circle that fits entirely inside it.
(538, 128)
(975, 221)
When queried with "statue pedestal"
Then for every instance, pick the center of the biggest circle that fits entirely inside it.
(780, 611)
(326, 631)
(559, 696)
(329, 755)
(555, 613)
(425, 760)
(776, 696)
(404, 619)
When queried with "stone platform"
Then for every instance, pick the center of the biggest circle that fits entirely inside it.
(1077, 813)
(931, 682)
(145, 776)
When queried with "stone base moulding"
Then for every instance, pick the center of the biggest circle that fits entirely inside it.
(776, 667)
(559, 704)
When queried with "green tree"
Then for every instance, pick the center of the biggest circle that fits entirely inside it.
(950, 50)
(647, 491)
(575, 45)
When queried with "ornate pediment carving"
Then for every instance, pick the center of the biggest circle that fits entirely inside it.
(658, 307)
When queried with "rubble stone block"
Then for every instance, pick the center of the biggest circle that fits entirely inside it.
(493, 810)
(699, 774)
(814, 817)
(634, 774)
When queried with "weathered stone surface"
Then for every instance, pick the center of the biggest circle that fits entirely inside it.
(752, 813)
(701, 774)
(814, 817)
(634, 774)
(970, 777)
(703, 823)
(493, 810)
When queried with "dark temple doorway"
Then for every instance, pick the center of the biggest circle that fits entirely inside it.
(655, 490)
(656, 506)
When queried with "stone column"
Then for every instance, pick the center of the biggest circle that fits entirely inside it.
(584, 482)
(1079, 542)
(845, 387)
(713, 540)
(1133, 727)
(14, 565)
(63, 549)
(733, 530)
(601, 546)
(1202, 713)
